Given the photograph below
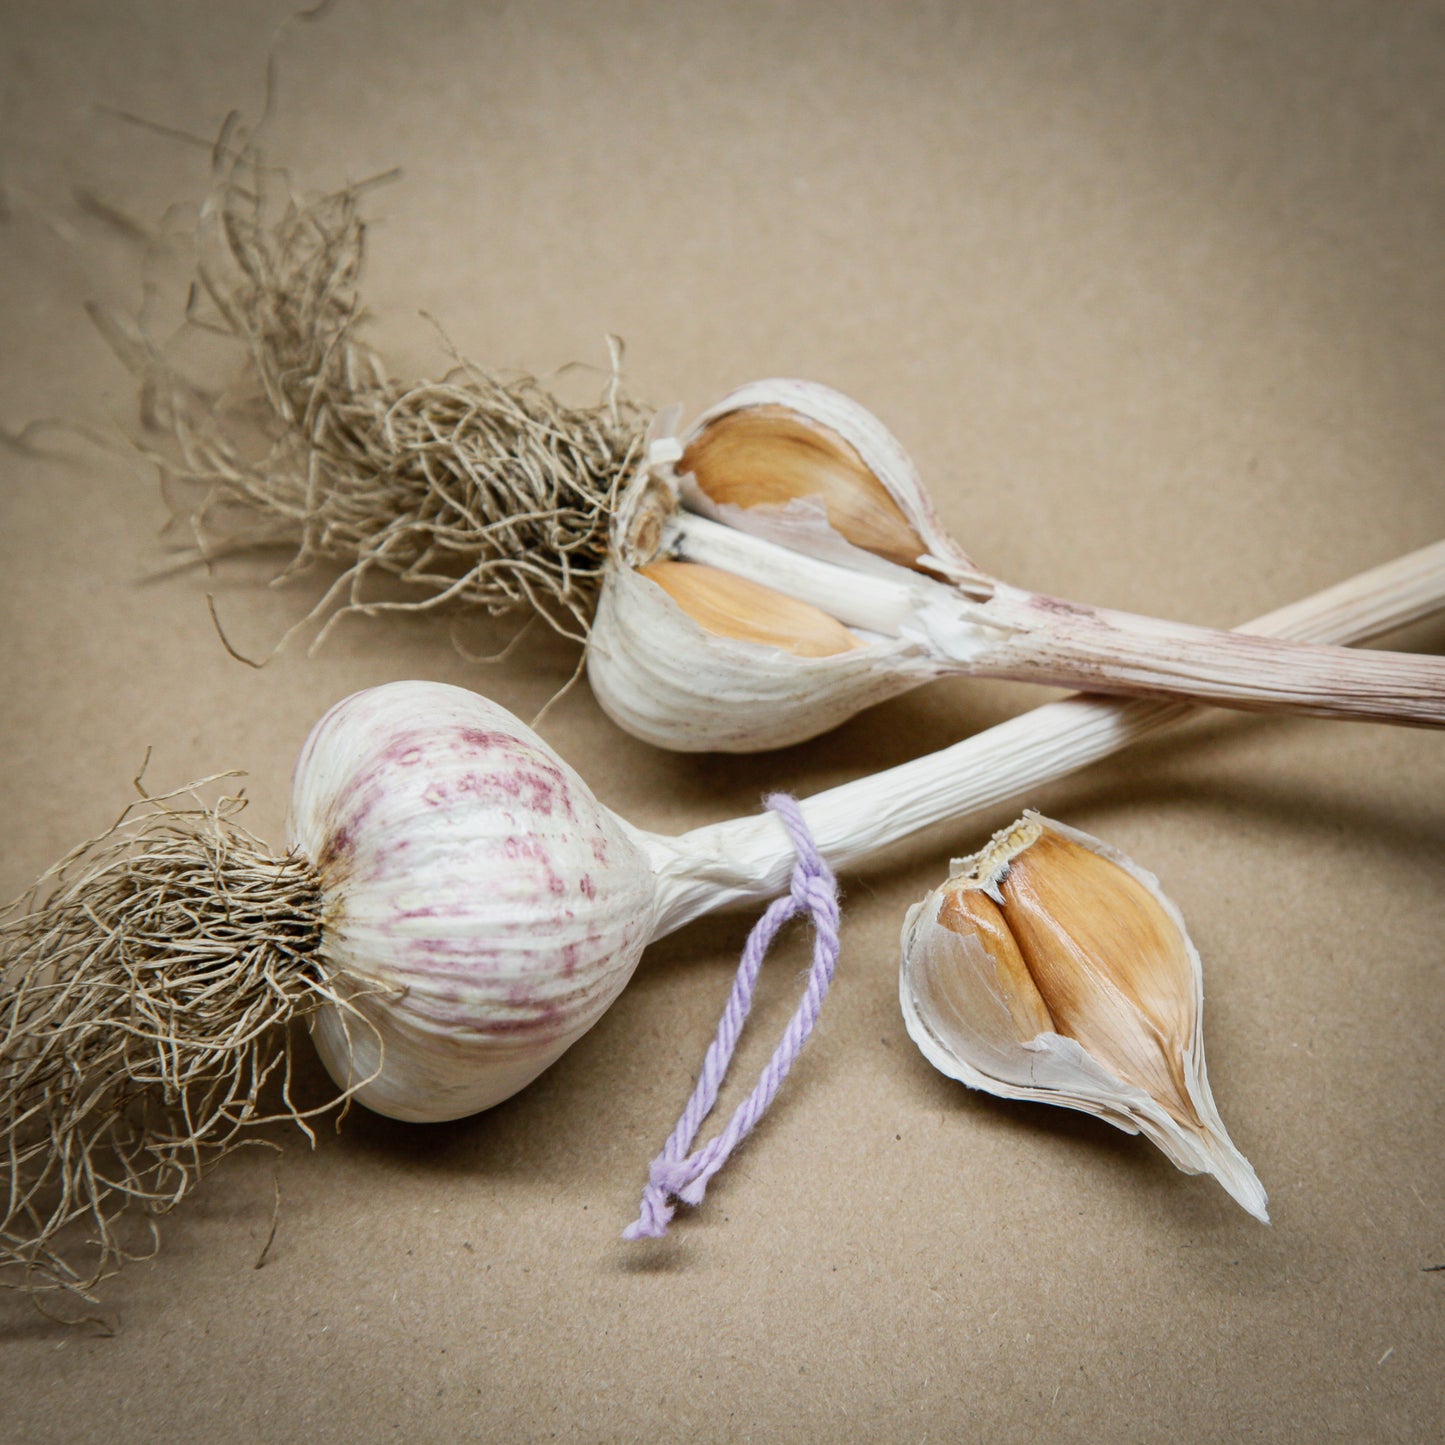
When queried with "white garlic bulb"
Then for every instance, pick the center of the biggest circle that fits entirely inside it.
(482, 906)
(1051, 967)
(779, 566)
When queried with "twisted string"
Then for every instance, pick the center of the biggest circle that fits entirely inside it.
(676, 1174)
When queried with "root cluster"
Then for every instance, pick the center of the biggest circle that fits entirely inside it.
(146, 982)
(478, 488)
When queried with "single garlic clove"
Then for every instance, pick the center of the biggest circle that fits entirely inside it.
(803, 465)
(730, 606)
(1052, 967)
(770, 455)
(481, 906)
(1111, 962)
(973, 916)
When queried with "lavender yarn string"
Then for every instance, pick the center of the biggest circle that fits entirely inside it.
(676, 1174)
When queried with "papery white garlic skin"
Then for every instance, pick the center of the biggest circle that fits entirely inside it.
(957, 1008)
(646, 656)
(480, 906)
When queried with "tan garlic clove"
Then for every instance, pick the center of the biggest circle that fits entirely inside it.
(730, 606)
(1110, 961)
(649, 654)
(800, 464)
(1052, 967)
(768, 455)
(971, 913)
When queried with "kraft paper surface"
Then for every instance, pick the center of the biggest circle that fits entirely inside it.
(1152, 296)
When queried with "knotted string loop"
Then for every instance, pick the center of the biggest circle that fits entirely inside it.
(676, 1174)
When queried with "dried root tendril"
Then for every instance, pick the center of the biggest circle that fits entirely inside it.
(146, 982)
(478, 489)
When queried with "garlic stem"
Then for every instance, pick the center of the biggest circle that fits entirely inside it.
(1105, 651)
(750, 858)
(1029, 637)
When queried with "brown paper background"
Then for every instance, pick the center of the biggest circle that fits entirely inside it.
(1153, 295)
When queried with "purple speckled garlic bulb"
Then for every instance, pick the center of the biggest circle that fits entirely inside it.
(481, 907)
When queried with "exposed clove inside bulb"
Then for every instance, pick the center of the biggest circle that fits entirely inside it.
(1051, 967)
(779, 566)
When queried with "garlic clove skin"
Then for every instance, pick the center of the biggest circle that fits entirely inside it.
(730, 606)
(1072, 982)
(772, 456)
(663, 676)
(481, 906)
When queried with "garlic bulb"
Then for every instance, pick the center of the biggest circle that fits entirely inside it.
(480, 905)
(779, 566)
(490, 492)
(1051, 967)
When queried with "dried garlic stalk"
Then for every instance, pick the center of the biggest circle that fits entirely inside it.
(1015, 757)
